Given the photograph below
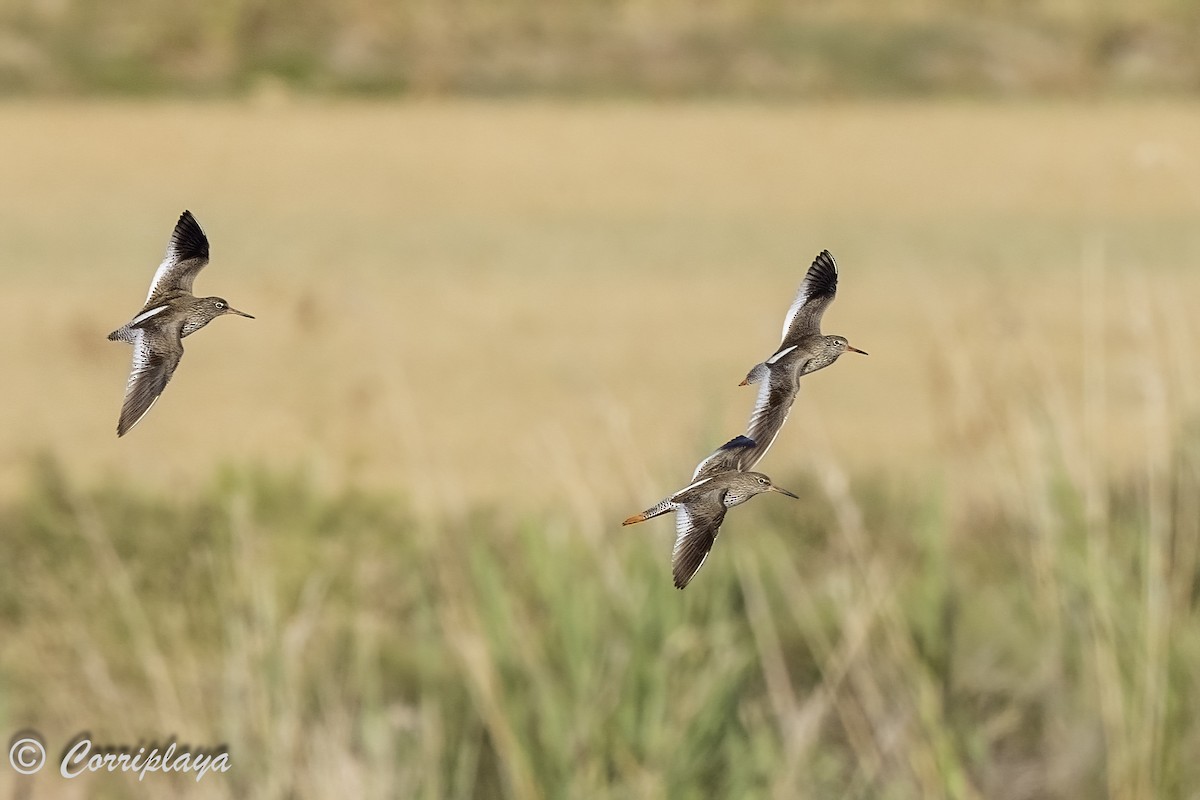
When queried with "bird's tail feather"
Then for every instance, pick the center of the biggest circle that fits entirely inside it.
(756, 374)
(661, 508)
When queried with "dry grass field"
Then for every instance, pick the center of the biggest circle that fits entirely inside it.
(369, 539)
(530, 302)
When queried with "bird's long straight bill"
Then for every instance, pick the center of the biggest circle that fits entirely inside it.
(232, 310)
(784, 491)
(856, 350)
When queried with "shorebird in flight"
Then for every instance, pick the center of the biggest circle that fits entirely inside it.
(802, 350)
(171, 312)
(718, 484)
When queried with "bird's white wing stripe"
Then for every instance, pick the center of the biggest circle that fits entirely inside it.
(170, 261)
(700, 468)
(801, 299)
(700, 482)
(781, 354)
(148, 314)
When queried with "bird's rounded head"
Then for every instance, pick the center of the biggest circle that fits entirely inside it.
(747, 484)
(836, 345)
(216, 306)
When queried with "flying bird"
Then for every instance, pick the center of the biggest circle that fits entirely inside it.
(701, 505)
(802, 350)
(171, 312)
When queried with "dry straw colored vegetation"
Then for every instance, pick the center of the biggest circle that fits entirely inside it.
(378, 552)
(518, 304)
(763, 48)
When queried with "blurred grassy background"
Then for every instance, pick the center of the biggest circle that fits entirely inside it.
(370, 539)
(526, 302)
(765, 48)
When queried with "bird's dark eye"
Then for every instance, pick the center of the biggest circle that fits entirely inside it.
(220, 304)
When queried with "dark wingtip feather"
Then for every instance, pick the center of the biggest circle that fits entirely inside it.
(683, 571)
(822, 275)
(126, 421)
(686, 569)
(129, 419)
(738, 442)
(688, 561)
(188, 241)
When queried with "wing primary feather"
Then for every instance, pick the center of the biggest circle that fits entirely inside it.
(696, 527)
(187, 254)
(816, 292)
(188, 240)
(154, 360)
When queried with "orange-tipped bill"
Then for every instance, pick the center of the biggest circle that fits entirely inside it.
(635, 518)
(784, 491)
(856, 350)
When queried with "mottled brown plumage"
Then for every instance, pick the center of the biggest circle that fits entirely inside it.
(802, 350)
(701, 505)
(171, 312)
